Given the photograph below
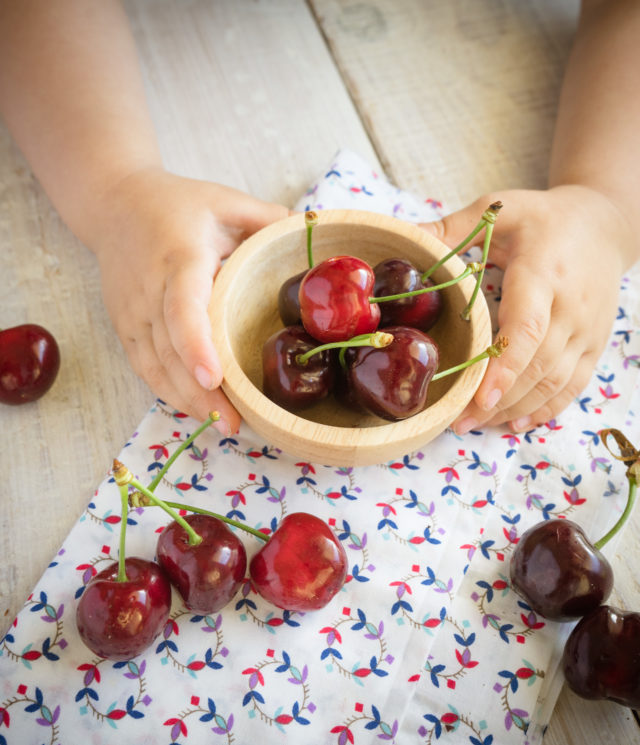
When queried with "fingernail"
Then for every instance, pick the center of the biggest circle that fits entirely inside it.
(464, 426)
(204, 377)
(522, 423)
(223, 426)
(492, 399)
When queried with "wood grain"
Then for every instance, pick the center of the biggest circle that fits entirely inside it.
(453, 99)
(459, 100)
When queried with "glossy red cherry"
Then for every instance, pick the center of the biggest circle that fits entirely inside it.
(119, 620)
(302, 566)
(288, 382)
(396, 276)
(206, 575)
(601, 657)
(29, 363)
(558, 572)
(392, 382)
(334, 299)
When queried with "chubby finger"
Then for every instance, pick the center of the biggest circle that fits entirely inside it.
(524, 318)
(554, 406)
(185, 307)
(167, 376)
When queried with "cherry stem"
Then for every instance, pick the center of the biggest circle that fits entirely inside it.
(485, 253)
(377, 339)
(254, 531)
(310, 219)
(124, 498)
(631, 458)
(213, 417)
(495, 350)
(488, 217)
(124, 477)
(194, 538)
(471, 268)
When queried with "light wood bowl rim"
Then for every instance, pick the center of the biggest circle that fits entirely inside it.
(325, 443)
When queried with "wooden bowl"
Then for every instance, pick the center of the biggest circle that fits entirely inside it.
(244, 313)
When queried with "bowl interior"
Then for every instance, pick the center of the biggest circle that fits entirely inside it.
(244, 314)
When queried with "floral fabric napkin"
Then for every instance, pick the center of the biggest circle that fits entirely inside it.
(425, 643)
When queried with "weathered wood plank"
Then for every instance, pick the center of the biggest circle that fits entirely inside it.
(459, 99)
(243, 93)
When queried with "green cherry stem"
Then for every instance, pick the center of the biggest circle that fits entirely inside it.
(495, 350)
(213, 417)
(489, 216)
(124, 477)
(124, 499)
(377, 339)
(472, 268)
(631, 457)
(310, 220)
(230, 521)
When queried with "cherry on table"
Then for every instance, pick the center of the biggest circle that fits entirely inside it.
(397, 276)
(285, 380)
(558, 572)
(392, 382)
(29, 363)
(207, 575)
(601, 658)
(302, 566)
(334, 299)
(120, 619)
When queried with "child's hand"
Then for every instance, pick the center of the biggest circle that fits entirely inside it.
(563, 252)
(159, 240)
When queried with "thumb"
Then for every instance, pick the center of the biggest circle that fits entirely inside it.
(457, 226)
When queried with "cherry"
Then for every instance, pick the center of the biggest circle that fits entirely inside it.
(29, 363)
(302, 566)
(209, 573)
(288, 300)
(396, 276)
(392, 382)
(601, 657)
(288, 382)
(119, 619)
(334, 299)
(558, 572)
(288, 296)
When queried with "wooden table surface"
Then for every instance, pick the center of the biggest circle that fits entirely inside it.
(450, 98)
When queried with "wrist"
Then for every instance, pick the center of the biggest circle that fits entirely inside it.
(619, 222)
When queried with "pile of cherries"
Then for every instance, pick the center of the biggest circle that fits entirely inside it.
(359, 332)
(563, 577)
(123, 608)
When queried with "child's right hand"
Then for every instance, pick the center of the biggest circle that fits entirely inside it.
(159, 240)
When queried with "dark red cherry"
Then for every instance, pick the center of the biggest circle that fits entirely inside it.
(302, 566)
(395, 276)
(119, 620)
(29, 363)
(601, 657)
(558, 572)
(288, 382)
(208, 574)
(288, 300)
(392, 382)
(334, 299)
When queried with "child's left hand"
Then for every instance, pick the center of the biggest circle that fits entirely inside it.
(563, 252)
